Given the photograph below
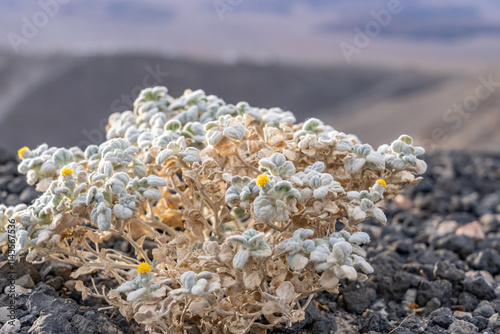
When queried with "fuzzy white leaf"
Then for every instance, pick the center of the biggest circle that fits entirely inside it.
(188, 279)
(236, 132)
(366, 204)
(153, 194)
(122, 212)
(156, 181)
(319, 256)
(190, 155)
(127, 286)
(163, 156)
(240, 259)
(379, 215)
(199, 287)
(346, 272)
(297, 262)
(134, 295)
(354, 165)
(341, 250)
(264, 208)
(420, 166)
(213, 137)
(361, 264)
(359, 238)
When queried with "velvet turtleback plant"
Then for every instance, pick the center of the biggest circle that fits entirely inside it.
(240, 202)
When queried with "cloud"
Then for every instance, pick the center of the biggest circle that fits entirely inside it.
(425, 20)
(138, 12)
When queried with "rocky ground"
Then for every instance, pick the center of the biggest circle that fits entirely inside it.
(437, 265)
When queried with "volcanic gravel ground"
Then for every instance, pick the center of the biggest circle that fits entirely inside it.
(436, 262)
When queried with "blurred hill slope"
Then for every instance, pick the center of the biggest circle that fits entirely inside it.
(447, 116)
(65, 100)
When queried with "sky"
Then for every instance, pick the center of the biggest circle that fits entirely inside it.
(292, 31)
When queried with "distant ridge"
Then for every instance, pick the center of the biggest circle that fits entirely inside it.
(65, 100)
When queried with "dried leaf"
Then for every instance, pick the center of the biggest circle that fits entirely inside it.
(329, 281)
(137, 229)
(194, 224)
(228, 281)
(146, 314)
(226, 254)
(211, 247)
(270, 308)
(44, 184)
(172, 218)
(83, 270)
(252, 280)
(318, 305)
(286, 292)
(180, 239)
(198, 306)
(225, 147)
(94, 237)
(83, 289)
(159, 255)
(159, 293)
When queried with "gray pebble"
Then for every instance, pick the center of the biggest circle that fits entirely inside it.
(489, 222)
(448, 271)
(468, 301)
(26, 281)
(28, 195)
(83, 325)
(358, 297)
(484, 309)
(487, 259)
(442, 317)
(462, 327)
(51, 324)
(479, 287)
(17, 185)
(4, 181)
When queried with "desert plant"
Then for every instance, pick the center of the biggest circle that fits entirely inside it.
(241, 203)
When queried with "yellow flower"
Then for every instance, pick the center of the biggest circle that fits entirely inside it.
(22, 151)
(66, 171)
(382, 183)
(143, 268)
(262, 180)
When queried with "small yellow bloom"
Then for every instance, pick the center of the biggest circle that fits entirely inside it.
(143, 268)
(262, 180)
(382, 183)
(22, 151)
(66, 171)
